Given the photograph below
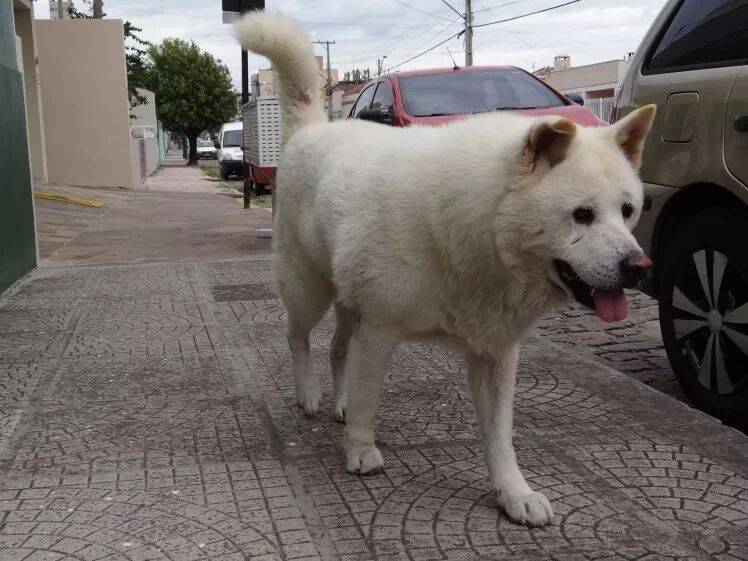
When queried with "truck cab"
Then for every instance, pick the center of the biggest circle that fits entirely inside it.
(229, 151)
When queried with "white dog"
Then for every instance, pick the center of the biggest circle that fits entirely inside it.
(464, 234)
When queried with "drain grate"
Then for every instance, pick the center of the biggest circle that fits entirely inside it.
(237, 292)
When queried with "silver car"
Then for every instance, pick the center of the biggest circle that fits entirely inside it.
(693, 63)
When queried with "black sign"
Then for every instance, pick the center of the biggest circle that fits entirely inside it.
(243, 5)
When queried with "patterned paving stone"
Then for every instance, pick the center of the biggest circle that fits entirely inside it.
(39, 322)
(238, 273)
(255, 492)
(726, 544)
(164, 418)
(9, 418)
(175, 329)
(26, 348)
(437, 504)
(668, 479)
(91, 437)
(134, 378)
(135, 282)
(97, 524)
(17, 383)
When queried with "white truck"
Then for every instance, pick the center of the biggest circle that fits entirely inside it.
(229, 149)
(262, 141)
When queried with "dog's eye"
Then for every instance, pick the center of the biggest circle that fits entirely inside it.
(627, 210)
(584, 215)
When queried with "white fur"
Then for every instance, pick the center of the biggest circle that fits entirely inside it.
(442, 234)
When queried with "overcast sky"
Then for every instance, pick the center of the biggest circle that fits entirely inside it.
(589, 30)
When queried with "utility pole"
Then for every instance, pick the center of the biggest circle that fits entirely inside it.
(468, 33)
(380, 62)
(98, 9)
(329, 77)
(60, 10)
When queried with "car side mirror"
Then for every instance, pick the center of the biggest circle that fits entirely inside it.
(377, 115)
(576, 98)
(217, 144)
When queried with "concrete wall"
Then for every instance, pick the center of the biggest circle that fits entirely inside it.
(144, 128)
(24, 26)
(17, 239)
(84, 102)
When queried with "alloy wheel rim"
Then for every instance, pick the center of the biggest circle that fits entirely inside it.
(710, 320)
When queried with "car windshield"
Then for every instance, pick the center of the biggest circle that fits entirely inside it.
(204, 144)
(232, 138)
(460, 93)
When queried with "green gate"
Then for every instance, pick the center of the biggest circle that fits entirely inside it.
(17, 245)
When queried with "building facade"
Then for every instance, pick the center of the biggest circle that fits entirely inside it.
(597, 84)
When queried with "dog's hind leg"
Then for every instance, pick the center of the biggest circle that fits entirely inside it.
(368, 353)
(306, 295)
(491, 384)
(346, 322)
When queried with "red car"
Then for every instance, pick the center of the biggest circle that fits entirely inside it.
(435, 97)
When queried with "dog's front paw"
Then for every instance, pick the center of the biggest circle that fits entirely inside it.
(339, 410)
(309, 398)
(531, 509)
(362, 460)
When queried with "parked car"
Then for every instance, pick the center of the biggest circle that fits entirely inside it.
(229, 149)
(206, 150)
(693, 63)
(435, 97)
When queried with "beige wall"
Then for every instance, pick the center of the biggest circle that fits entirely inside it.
(84, 102)
(593, 77)
(24, 26)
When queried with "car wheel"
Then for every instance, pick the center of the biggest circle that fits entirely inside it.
(222, 172)
(260, 189)
(703, 300)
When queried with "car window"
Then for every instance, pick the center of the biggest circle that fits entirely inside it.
(383, 96)
(460, 93)
(205, 143)
(703, 33)
(232, 138)
(364, 100)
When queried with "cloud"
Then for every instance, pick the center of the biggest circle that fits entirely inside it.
(364, 30)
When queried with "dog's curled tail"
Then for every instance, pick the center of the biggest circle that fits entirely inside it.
(279, 38)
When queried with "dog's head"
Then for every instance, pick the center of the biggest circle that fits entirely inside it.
(575, 203)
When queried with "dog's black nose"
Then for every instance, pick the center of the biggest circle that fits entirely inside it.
(633, 269)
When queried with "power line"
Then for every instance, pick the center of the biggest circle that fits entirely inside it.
(453, 8)
(499, 6)
(420, 10)
(528, 14)
(424, 52)
(431, 38)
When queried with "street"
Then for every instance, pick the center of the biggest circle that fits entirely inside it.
(148, 412)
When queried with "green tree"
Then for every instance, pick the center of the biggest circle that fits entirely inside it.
(193, 89)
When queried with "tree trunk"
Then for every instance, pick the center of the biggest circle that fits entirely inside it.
(193, 149)
(98, 9)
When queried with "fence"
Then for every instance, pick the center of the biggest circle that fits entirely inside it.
(601, 107)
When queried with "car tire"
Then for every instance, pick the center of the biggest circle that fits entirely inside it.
(260, 189)
(222, 172)
(703, 301)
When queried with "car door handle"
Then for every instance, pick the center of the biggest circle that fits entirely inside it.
(741, 123)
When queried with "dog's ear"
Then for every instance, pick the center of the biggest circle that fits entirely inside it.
(548, 142)
(630, 132)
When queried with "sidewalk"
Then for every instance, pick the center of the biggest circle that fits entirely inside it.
(147, 412)
(177, 215)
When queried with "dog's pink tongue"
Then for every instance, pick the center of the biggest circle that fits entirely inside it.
(611, 305)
